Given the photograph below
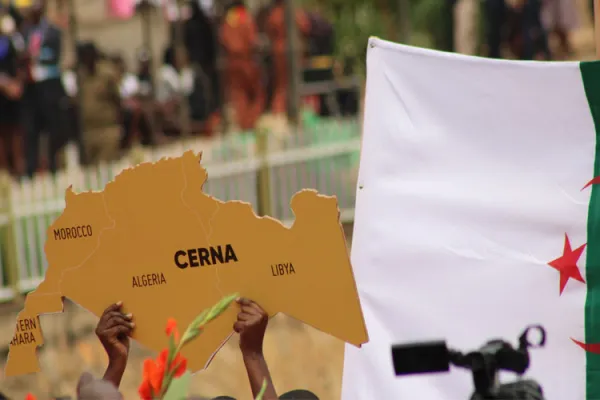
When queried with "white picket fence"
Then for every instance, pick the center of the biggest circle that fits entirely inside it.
(324, 157)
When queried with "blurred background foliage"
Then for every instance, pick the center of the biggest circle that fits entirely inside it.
(356, 20)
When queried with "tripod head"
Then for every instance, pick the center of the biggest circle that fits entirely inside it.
(485, 364)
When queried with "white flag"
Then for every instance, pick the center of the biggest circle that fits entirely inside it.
(472, 220)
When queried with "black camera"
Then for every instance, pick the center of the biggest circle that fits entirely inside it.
(485, 364)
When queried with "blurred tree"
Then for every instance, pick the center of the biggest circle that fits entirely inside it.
(357, 20)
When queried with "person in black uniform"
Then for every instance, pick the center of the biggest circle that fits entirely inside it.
(45, 102)
(11, 149)
(200, 40)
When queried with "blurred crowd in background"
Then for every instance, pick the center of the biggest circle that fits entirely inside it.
(225, 64)
(234, 63)
(528, 25)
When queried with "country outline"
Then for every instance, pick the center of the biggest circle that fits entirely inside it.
(219, 206)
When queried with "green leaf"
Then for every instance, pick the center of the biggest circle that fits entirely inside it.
(263, 389)
(205, 317)
(179, 387)
(193, 329)
(199, 320)
(220, 307)
(172, 349)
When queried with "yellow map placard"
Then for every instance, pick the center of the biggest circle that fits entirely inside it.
(154, 240)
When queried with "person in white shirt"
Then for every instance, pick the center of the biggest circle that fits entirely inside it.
(174, 78)
(174, 84)
(129, 86)
(69, 81)
(134, 118)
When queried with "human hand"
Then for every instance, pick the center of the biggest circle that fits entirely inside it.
(113, 330)
(516, 4)
(13, 90)
(251, 324)
(10, 87)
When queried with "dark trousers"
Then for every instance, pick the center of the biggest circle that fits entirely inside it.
(44, 109)
(447, 28)
(206, 97)
(135, 123)
(496, 16)
(535, 38)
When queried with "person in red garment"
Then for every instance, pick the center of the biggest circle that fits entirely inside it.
(276, 31)
(244, 88)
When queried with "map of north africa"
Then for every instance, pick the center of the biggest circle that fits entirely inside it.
(155, 241)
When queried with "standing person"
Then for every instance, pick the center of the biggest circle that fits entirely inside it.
(200, 39)
(534, 38)
(100, 106)
(11, 88)
(266, 58)
(560, 17)
(175, 84)
(129, 84)
(276, 31)
(447, 39)
(134, 120)
(144, 74)
(527, 35)
(44, 99)
(245, 91)
(496, 16)
(320, 65)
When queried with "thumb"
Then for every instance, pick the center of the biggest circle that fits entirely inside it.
(238, 327)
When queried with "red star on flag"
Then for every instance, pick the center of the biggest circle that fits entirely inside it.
(589, 347)
(594, 181)
(567, 264)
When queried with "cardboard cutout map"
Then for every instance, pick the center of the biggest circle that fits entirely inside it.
(154, 240)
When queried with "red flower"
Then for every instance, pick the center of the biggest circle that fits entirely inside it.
(145, 390)
(156, 370)
(172, 329)
(154, 373)
(30, 397)
(179, 365)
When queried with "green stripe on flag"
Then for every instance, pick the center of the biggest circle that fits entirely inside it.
(590, 72)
